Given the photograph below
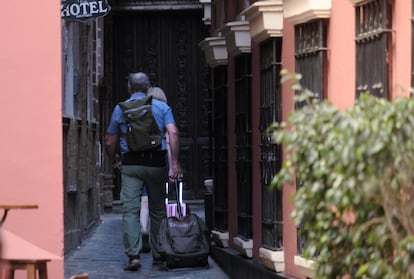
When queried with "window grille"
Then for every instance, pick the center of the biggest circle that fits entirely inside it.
(220, 147)
(271, 154)
(310, 55)
(243, 145)
(310, 58)
(373, 40)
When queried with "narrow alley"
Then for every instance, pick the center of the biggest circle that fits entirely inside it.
(101, 256)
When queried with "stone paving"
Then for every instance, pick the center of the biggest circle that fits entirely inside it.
(101, 256)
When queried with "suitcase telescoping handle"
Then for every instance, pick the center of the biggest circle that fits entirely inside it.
(179, 195)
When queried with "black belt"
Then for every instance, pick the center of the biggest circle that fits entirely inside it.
(146, 158)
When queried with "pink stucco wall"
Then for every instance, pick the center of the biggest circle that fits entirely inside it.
(341, 53)
(401, 49)
(289, 228)
(31, 145)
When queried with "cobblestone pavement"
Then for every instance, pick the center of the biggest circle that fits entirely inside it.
(101, 256)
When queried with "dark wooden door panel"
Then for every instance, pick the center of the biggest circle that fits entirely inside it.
(164, 44)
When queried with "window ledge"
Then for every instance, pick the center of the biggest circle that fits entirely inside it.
(301, 11)
(237, 37)
(72, 188)
(356, 2)
(220, 238)
(215, 51)
(244, 246)
(207, 11)
(305, 266)
(273, 260)
(265, 19)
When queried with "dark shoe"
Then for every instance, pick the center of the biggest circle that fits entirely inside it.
(157, 261)
(146, 248)
(132, 265)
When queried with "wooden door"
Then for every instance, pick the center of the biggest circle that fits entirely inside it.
(164, 44)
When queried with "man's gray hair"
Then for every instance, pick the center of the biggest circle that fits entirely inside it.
(138, 82)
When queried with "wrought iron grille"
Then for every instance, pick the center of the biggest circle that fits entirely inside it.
(373, 40)
(220, 147)
(310, 54)
(271, 154)
(243, 145)
(310, 58)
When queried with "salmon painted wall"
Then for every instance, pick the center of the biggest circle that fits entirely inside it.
(289, 228)
(31, 145)
(341, 52)
(401, 49)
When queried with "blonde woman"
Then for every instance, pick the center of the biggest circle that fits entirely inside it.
(156, 93)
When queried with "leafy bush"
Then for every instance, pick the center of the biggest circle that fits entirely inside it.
(355, 171)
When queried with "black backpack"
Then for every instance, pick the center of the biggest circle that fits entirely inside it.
(143, 132)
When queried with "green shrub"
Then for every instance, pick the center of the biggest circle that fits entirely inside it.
(355, 168)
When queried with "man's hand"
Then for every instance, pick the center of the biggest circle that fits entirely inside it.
(175, 172)
(110, 143)
(116, 162)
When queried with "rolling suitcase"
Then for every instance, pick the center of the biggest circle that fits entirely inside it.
(184, 241)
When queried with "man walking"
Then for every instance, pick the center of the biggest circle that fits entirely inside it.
(142, 168)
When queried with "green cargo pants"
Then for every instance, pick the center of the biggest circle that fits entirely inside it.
(133, 179)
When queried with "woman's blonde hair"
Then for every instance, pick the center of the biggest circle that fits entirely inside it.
(157, 93)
